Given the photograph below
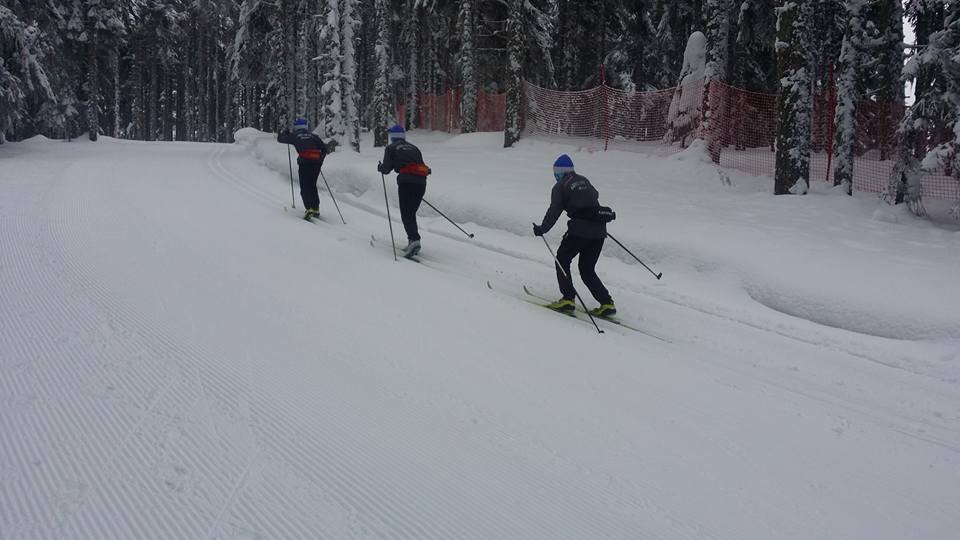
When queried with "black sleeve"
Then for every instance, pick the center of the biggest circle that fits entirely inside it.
(556, 208)
(386, 166)
(284, 137)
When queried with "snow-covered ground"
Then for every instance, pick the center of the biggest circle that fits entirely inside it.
(180, 358)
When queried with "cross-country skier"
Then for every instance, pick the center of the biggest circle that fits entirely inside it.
(311, 151)
(586, 231)
(406, 160)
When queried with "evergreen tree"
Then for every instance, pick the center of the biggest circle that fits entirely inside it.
(467, 23)
(849, 92)
(929, 135)
(719, 15)
(795, 100)
(411, 40)
(889, 52)
(332, 122)
(381, 89)
(511, 132)
(630, 61)
(351, 99)
(755, 60)
(23, 75)
(95, 28)
(676, 21)
(684, 111)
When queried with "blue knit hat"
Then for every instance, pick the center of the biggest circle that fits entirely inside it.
(301, 123)
(562, 166)
(396, 132)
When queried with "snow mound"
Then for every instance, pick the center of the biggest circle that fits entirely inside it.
(860, 316)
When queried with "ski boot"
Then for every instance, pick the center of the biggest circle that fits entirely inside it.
(563, 305)
(605, 310)
(412, 249)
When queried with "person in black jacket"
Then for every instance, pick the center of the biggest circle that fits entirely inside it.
(586, 231)
(406, 160)
(311, 151)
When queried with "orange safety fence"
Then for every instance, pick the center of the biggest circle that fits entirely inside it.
(740, 130)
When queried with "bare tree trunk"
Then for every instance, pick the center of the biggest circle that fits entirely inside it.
(153, 102)
(93, 90)
(116, 93)
(167, 121)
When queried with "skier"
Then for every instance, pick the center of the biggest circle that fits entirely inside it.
(586, 231)
(406, 160)
(311, 151)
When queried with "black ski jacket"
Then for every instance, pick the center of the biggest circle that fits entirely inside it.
(398, 155)
(310, 148)
(572, 194)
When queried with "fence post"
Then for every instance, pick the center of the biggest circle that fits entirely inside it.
(830, 113)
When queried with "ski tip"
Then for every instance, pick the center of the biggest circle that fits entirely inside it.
(526, 290)
(489, 286)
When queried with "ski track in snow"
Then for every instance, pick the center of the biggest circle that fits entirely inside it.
(920, 427)
(808, 334)
(121, 421)
(218, 168)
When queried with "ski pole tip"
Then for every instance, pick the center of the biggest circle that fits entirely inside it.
(660, 275)
(471, 235)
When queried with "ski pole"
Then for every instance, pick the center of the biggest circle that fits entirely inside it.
(390, 221)
(658, 276)
(557, 262)
(448, 219)
(332, 197)
(293, 200)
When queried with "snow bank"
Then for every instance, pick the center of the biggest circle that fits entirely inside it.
(849, 263)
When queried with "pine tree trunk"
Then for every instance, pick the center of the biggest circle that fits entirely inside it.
(153, 102)
(116, 93)
(351, 100)
(468, 60)
(288, 11)
(794, 100)
(168, 90)
(511, 132)
(381, 90)
(181, 125)
(890, 68)
(93, 90)
(848, 93)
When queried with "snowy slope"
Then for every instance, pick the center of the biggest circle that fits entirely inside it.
(179, 358)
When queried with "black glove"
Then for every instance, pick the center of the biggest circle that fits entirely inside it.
(538, 230)
(380, 167)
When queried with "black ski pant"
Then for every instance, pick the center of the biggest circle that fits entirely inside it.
(309, 172)
(410, 197)
(589, 251)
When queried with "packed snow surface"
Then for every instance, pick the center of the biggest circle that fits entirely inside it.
(182, 357)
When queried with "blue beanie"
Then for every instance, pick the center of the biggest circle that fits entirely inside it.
(300, 123)
(397, 132)
(562, 166)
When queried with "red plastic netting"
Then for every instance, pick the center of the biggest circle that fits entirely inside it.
(443, 112)
(439, 112)
(569, 114)
(740, 127)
